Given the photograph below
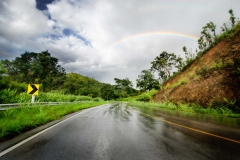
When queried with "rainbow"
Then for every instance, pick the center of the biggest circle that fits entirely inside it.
(195, 38)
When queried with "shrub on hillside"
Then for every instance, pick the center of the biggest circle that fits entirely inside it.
(145, 97)
(153, 92)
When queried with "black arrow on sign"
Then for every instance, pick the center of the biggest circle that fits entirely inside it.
(34, 89)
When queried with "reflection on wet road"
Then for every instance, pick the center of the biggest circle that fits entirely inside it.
(116, 131)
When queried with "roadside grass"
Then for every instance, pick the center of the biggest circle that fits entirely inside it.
(18, 120)
(145, 96)
(133, 98)
(12, 96)
(194, 108)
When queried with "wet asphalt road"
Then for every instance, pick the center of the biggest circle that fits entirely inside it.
(115, 131)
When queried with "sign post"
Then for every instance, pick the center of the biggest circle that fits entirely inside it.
(33, 98)
(33, 90)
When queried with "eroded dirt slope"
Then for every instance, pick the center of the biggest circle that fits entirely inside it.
(209, 79)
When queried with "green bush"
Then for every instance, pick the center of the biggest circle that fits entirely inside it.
(4, 82)
(231, 104)
(59, 97)
(19, 87)
(8, 96)
(42, 97)
(83, 98)
(145, 97)
(24, 98)
(202, 71)
(97, 99)
(153, 92)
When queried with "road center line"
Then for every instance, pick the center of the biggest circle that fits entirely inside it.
(193, 129)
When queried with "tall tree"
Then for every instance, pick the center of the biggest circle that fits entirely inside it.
(33, 67)
(208, 34)
(164, 64)
(107, 92)
(146, 81)
(123, 87)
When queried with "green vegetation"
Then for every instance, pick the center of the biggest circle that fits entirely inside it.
(194, 108)
(144, 97)
(77, 84)
(42, 68)
(55, 84)
(36, 68)
(216, 65)
(166, 63)
(146, 81)
(11, 96)
(180, 82)
(18, 120)
(58, 86)
(147, 96)
(123, 88)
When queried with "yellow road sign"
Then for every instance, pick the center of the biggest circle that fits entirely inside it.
(33, 89)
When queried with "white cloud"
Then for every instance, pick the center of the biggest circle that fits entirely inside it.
(21, 20)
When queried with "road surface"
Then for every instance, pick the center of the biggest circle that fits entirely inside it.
(117, 132)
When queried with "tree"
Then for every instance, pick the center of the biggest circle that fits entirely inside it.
(146, 81)
(107, 92)
(123, 83)
(207, 36)
(33, 67)
(164, 64)
(179, 63)
(232, 18)
(123, 87)
(189, 56)
(81, 85)
(4, 81)
(3, 70)
(224, 27)
(212, 27)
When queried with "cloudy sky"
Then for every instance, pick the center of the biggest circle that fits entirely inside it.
(107, 39)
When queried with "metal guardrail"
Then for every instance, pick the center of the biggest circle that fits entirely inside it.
(17, 105)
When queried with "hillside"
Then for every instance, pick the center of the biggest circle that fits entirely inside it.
(211, 80)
